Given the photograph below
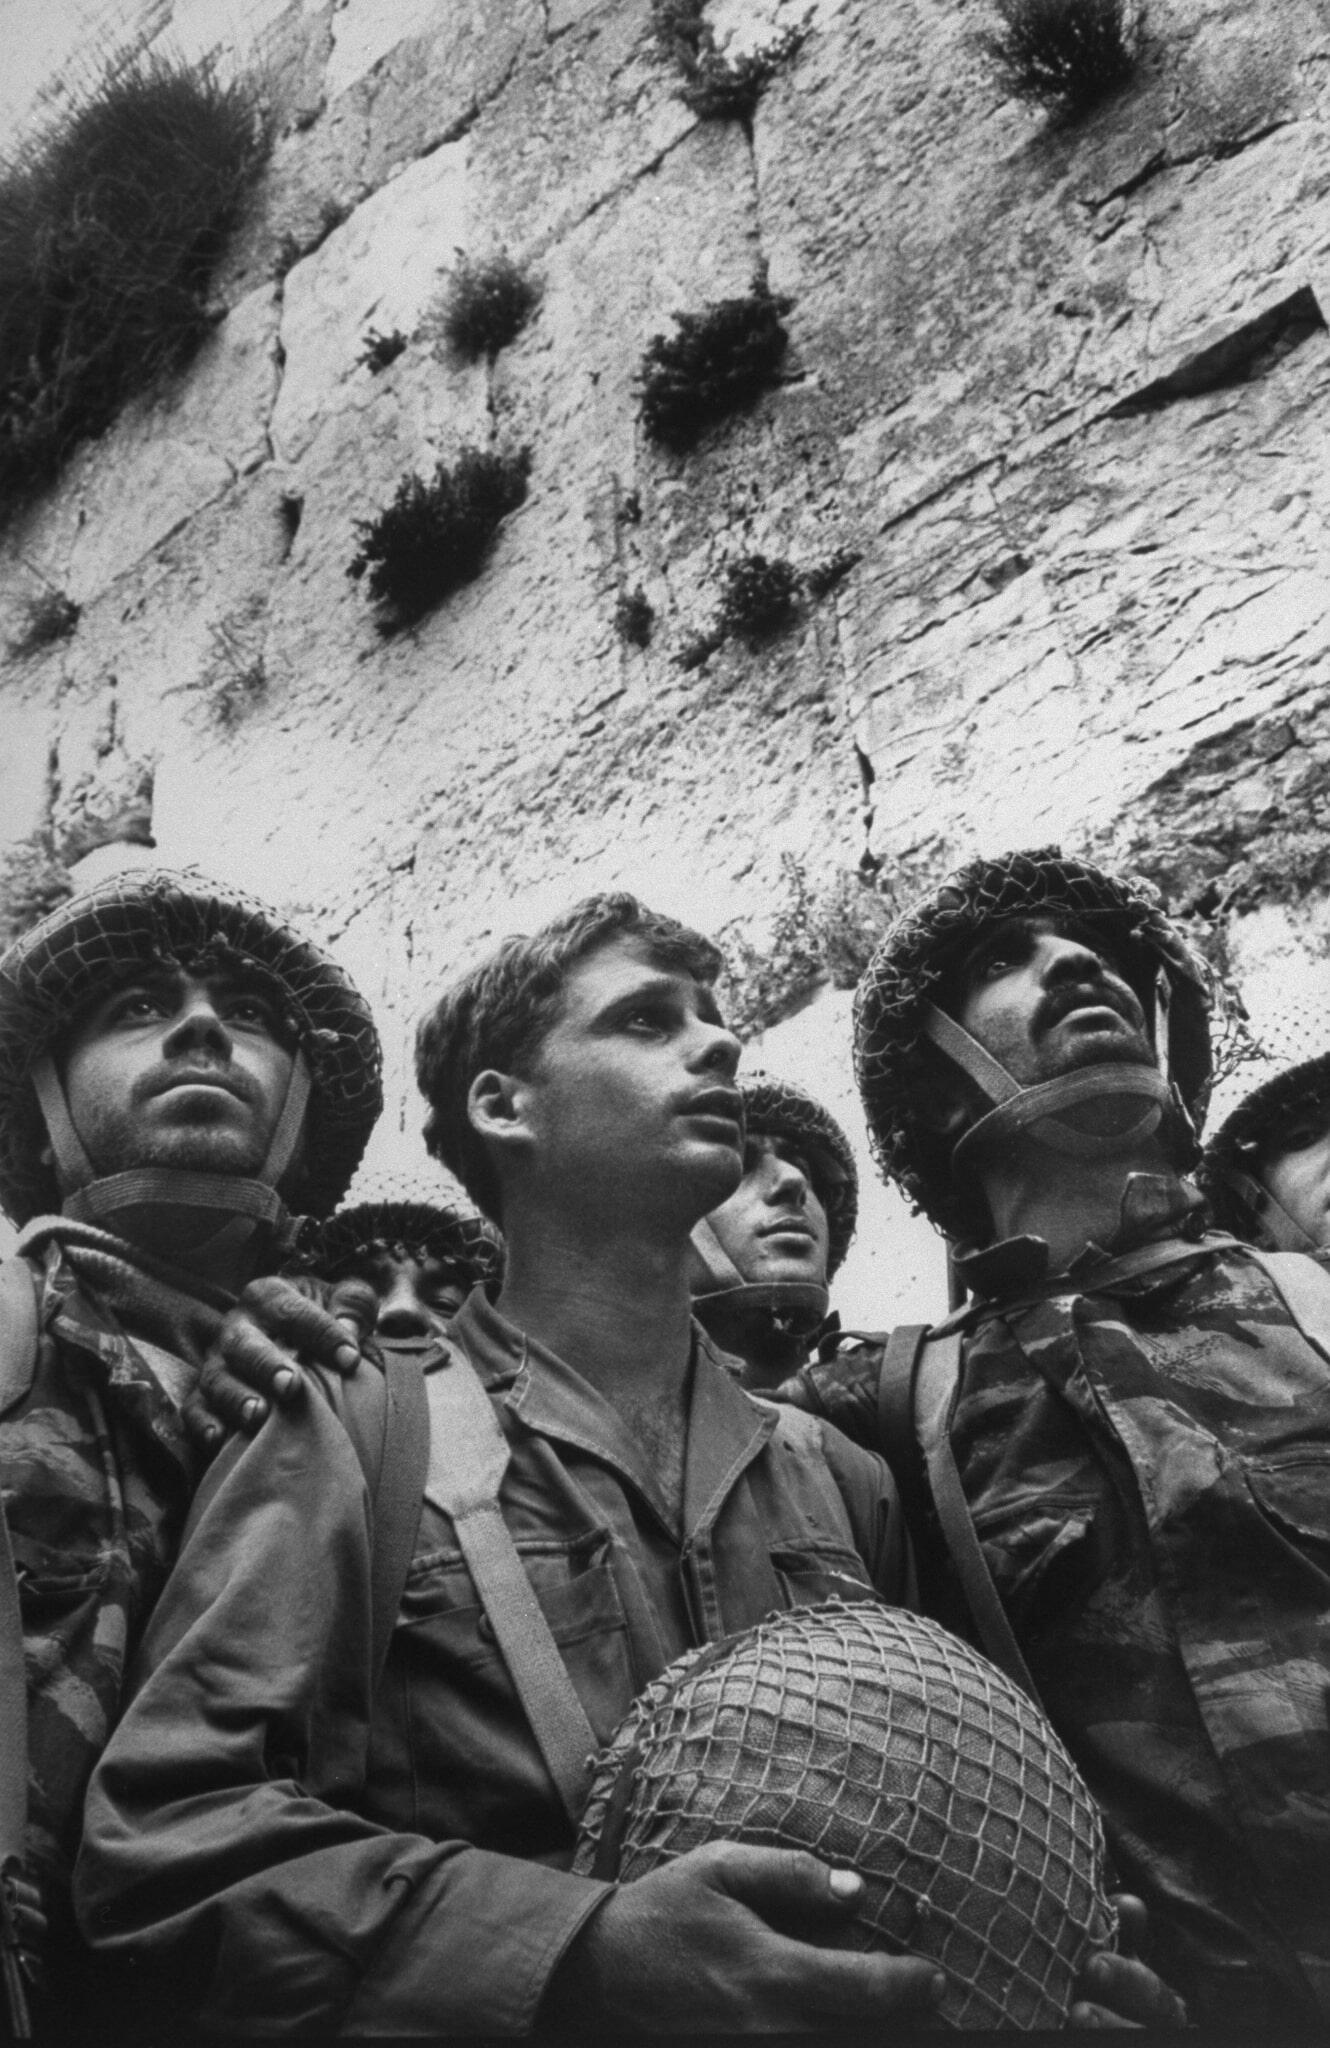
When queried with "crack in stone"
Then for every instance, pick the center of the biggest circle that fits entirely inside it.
(1162, 161)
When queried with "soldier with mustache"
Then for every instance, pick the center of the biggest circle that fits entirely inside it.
(1131, 1411)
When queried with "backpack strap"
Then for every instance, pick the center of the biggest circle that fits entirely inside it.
(398, 1489)
(897, 1438)
(936, 1380)
(468, 1456)
(20, 1292)
(1304, 1285)
(19, 1285)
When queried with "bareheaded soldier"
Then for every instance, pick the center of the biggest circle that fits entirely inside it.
(764, 1260)
(178, 1070)
(1266, 1170)
(1139, 1412)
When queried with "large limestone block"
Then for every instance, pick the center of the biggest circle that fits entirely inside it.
(380, 269)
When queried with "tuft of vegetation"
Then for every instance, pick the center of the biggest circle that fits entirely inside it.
(436, 533)
(484, 305)
(1066, 54)
(717, 87)
(110, 228)
(634, 617)
(32, 882)
(829, 574)
(720, 362)
(49, 616)
(819, 935)
(379, 350)
(759, 598)
(236, 675)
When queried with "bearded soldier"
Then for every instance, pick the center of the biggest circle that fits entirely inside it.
(1138, 1408)
(1266, 1171)
(764, 1260)
(178, 1069)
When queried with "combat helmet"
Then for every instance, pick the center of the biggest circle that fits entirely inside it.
(899, 1029)
(402, 1215)
(781, 1109)
(158, 917)
(1284, 1113)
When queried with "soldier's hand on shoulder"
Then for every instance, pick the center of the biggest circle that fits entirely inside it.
(277, 1327)
(1122, 1990)
(698, 1947)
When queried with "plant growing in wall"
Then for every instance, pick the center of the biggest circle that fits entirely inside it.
(719, 362)
(716, 86)
(110, 227)
(49, 616)
(634, 617)
(32, 881)
(759, 597)
(484, 305)
(379, 350)
(821, 933)
(1068, 54)
(436, 533)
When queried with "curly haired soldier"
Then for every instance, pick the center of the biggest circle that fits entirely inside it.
(1138, 1409)
(763, 1261)
(1266, 1170)
(177, 1067)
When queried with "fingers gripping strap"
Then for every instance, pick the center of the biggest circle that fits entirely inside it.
(994, 1080)
(468, 1458)
(936, 1383)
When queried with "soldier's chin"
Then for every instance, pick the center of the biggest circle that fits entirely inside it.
(1103, 1048)
(203, 1149)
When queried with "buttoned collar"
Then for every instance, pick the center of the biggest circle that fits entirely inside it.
(727, 1429)
(1154, 1205)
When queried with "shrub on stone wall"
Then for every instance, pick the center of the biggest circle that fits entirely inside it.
(1063, 53)
(484, 305)
(377, 350)
(32, 881)
(48, 616)
(436, 533)
(716, 86)
(822, 933)
(759, 597)
(634, 617)
(110, 227)
(720, 362)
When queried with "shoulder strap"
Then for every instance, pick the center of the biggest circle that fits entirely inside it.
(897, 1439)
(20, 1286)
(468, 1456)
(937, 1378)
(1304, 1284)
(399, 1489)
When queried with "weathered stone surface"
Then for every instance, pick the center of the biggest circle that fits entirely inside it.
(1060, 387)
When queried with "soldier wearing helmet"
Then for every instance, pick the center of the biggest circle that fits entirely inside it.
(419, 1254)
(1266, 1170)
(179, 1070)
(763, 1261)
(1135, 1409)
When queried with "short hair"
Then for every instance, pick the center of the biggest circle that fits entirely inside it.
(500, 1014)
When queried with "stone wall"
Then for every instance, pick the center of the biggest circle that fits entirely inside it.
(1059, 388)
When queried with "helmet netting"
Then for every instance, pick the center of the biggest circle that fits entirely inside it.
(781, 1109)
(880, 1743)
(157, 918)
(890, 1058)
(1285, 1110)
(404, 1216)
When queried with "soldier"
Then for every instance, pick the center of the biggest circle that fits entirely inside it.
(764, 1259)
(1139, 1413)
(176, 1068)
(419, 1256)
(1266, 1171)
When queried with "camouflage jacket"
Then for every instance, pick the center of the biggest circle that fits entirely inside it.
(96, 1480)
(1149, 1474)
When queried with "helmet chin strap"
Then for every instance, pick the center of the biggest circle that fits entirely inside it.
(1269, 1213)
(1095, 1112)
(800, 1306)
(243, 1205)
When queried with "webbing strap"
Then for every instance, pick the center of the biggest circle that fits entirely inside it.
(72, 1161)
(19, 1284)
(896, 1438)
(399, 1490)
(971, 1057)
(143, 1186)
(18, 1354)
(468, 1456)
(935, 1392)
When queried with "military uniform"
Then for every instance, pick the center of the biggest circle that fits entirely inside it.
(96, 1478)
(1149, 1473)
(303, 1853)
